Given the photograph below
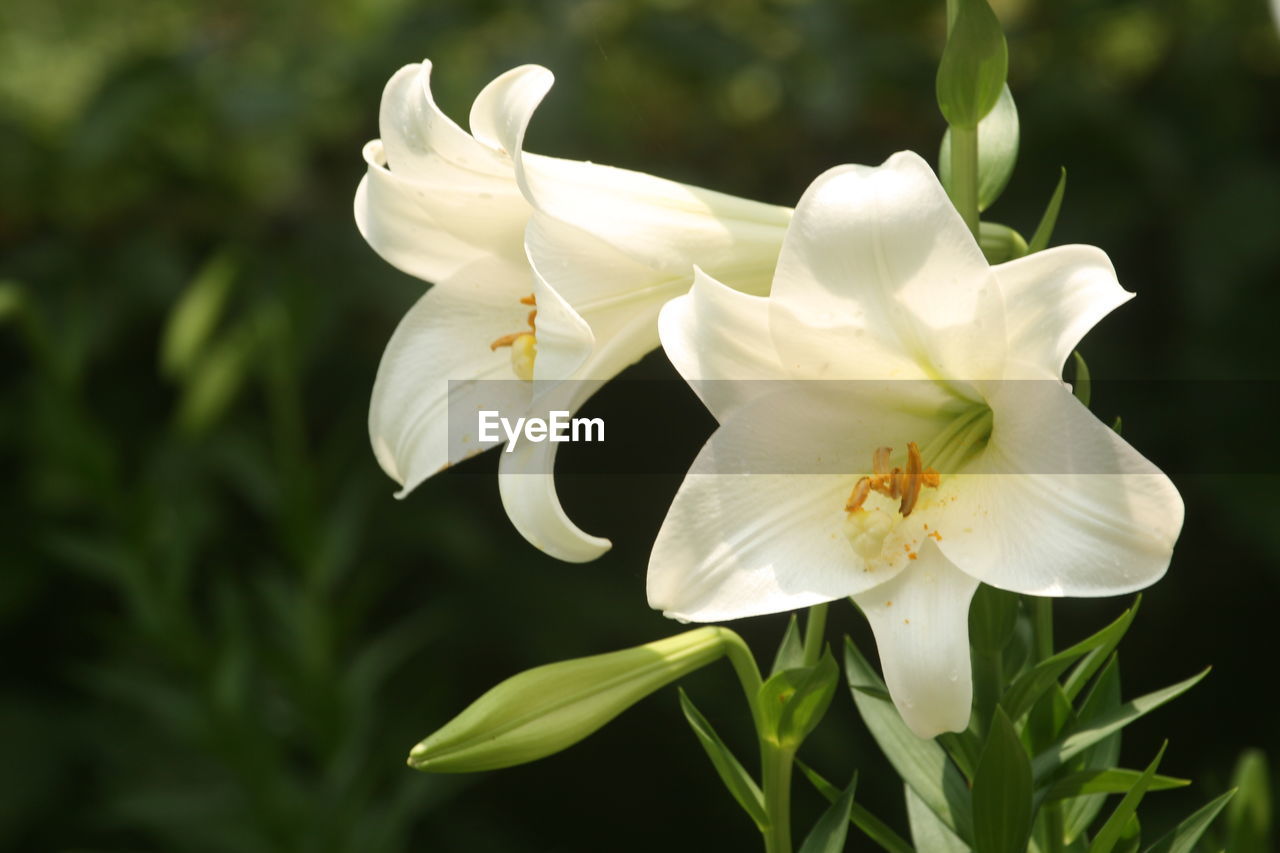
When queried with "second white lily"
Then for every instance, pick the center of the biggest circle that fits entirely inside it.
(545, 270)
(939, 450)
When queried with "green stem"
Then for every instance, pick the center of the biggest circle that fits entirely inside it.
(1042, 632)
(744, 664)
(814, 629)
(964, 174)
(777, 761)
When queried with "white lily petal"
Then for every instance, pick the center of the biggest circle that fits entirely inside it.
(921, 623)
(616, 297)
(433, 198)
(759, 523)
(879, 258)
(423, 143)
(1058, 504)
(1053, 298)
(445, 336)
(528, 489)
(430, 232)
(718, 340)
(565, 340)
(664, 224)
(500, 113)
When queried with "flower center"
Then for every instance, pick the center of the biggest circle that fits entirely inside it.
(880, 503)
(872, 517)
(524, 345)
(900, 485)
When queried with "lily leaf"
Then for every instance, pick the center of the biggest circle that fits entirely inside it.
(1107, 724)
(1027, 689)
(1044, 231)
(1108, 781)
(993, 615)
(829, 833)
(1183, 837)
(790, 653)
(922, 764)
(805, 709)
(1002, 791)
(1082, 386)
(928, 832)
(874, 828)
(1080, 812)
(735, 777)
(1113, 830)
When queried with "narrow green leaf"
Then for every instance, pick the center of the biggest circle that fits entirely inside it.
(1047, 719)
(928, 832)
(964, 748)
(1112, 831)
(1091, 662)
(1249, 815)
(1080, 740)
(1103, 698)
(997, 151)
(1082, 387)
(1130, 837)
(829, 833)
(735, 777)
(790, 653)
(1002, 791)
(871, 826)
(549, 708)
(974, 64)
(1031, 685)
(922, 764)
(1106, 781)
(1117, 425)
(1183, 837)
(993, 614)
(1044, 231)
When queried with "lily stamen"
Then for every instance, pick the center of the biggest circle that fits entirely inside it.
(896, 484)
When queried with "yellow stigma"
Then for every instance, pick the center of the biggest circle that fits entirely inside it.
(524, 349)
(524, 345)
(871, 517)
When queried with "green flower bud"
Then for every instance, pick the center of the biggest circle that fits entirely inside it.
(793, 701)
(974, 64)
(1000, 243)
(549, 708)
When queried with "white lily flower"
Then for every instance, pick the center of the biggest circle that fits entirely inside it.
(955, 456)
(545, 270)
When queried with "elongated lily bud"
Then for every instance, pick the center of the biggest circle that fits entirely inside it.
(549, 708)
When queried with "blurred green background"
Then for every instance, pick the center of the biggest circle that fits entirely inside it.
(220, 631)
